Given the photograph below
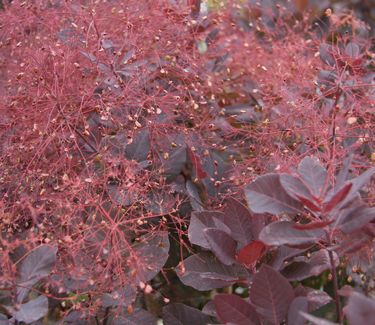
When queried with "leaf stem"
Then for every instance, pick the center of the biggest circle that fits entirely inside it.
(339, 315)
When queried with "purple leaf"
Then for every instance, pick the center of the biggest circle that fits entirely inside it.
(239, 219)
(326, 54)
(196, 164)
(121, 297)
(194, 196)
(283, 253)
(295, 187)
(222, 245)
(266, 195)
(202, 220)
(76, 317)
(316, 320)
(352, 50)
(31, 311)
(338, 197)
(297, 305)
(150, 255)
(360, 309)
(251, 253)
(36, 266)
(128, 55)
(209, 309)
(302, 268)
(357, 183)
(204, 272)
(138, 150)
(138, 317)
(175, 163)
(354, 218)
(284, 233)
(342, 176)
(233, 309)
(271, 294)
(317, 299)
(180, 314)
(121, 196)
(313, 174)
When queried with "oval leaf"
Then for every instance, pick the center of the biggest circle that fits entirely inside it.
(36, 266)
(251, 253)
(266, 194)
(204, 272)
(233, 309)
(313, 174)
(180, 314)
(271, 294)
(360, 309)
(222, 245)
(202, 220)
(150, 255)
(284, 233)
(31, 311)
(239, 220)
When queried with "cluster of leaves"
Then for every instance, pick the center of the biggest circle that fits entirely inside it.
(320, 224)
(129, 128)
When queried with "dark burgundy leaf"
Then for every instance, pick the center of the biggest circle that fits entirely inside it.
(209, 309)
(137, 317)
(197, 165)
(239, 219)
(337, 198)
(317, 299)
(301, 267)
(326, 54)
(342, 176)
(357, 183)
(138, 150)
(180, 314)
(295, 187)
(283, 253)
(204, 272)
(354, 218)
(202, 220)
(360, 309)
(36, 266)
(313, 225)
(308, 204)
(176, 162)
(297, 305)
(121, 196)
(31, 311)
(266, 195)
(327, 79)
(316, 320)
(284, 233)
(150, 255)
(271, 294)
(120, 297)
(128, 55)
(233, 309)
(194, 195)
(221, 244)
(313, 174)
(352, 50)
(78, 318)
(251, 253)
